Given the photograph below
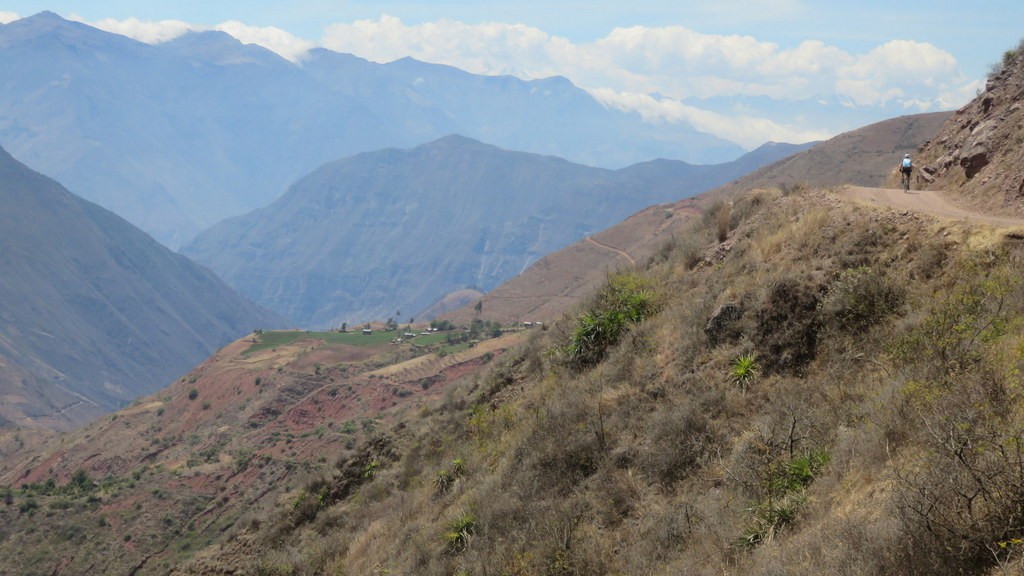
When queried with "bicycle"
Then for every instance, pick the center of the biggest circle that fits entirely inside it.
(906, 181)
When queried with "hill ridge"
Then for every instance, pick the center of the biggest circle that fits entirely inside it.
(94, 310)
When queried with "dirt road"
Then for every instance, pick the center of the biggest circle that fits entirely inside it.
(622, 253)
(927, 201)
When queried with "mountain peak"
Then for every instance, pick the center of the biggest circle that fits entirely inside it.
(46, 16)
(220, 48)
(70, 32)
(453, 140)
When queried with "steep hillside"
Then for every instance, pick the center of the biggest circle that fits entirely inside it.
(178, 136)
(550, 287)
(796, 383)
(866, 156)
(559, 281)
(94, 312)
(390, 231)
(979, 153)
(832, 388)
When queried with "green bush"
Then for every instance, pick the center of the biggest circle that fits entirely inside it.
(783, 484)
(625, 300)
(458, 535)
(744, 370)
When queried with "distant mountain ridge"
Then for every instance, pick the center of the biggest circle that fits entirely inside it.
(393, 231)
(865, 156)
(177, 136)
(93, 312)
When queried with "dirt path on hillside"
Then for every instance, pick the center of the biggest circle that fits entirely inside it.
(927, 201)
(622, 253)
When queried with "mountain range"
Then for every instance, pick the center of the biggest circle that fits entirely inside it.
(551, 287)
(94, 312)
(370, 236)
(177, 136)
(294, 452)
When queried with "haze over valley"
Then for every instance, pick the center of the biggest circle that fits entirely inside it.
(509, 288)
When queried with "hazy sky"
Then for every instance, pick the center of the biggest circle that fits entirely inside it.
(662, 58)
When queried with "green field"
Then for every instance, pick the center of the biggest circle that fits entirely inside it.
(273, 339)
(285, 337)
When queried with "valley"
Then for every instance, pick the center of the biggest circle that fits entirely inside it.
(534, 338)
(148, 485)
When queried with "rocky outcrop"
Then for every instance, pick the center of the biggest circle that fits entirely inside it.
(976, 155)
(979, 153)
(720, 326)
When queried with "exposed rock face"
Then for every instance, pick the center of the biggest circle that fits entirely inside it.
(979, 153)
(976, 155)
(719, 325)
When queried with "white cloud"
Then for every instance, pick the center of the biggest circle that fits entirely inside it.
(747, 131)
(903, 71)
(629, 64)
(154, 32)
(274, 39)
(672, 61)
(149, 32)
(8, 17)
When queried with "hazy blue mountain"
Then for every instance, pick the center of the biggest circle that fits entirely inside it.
(177, 136)
(377, 233)
(94, 312)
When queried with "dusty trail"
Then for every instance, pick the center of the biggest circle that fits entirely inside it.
(622, 253)
(927, 201)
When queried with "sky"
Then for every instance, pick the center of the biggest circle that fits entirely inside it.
(748, 71)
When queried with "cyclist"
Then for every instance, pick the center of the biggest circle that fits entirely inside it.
(905, 167)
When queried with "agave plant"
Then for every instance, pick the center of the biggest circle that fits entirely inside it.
(744, 370)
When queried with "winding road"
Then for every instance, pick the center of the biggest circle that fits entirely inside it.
(622, 253)
(926, 201)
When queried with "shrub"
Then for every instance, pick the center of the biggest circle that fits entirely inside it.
(193, 394)
(446, 478)
(680, 437)
(458, 535)
(783, 483)
(625, 300)
(860, 298)
(960, 496)
(954, 334)
(786, 336)
(722, 221)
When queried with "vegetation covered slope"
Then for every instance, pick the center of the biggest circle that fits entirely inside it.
(800, 386)
(547, 289)
(142, 489)
(93, 312)
(867, 156)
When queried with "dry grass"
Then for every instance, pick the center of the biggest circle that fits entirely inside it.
(655, 462)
